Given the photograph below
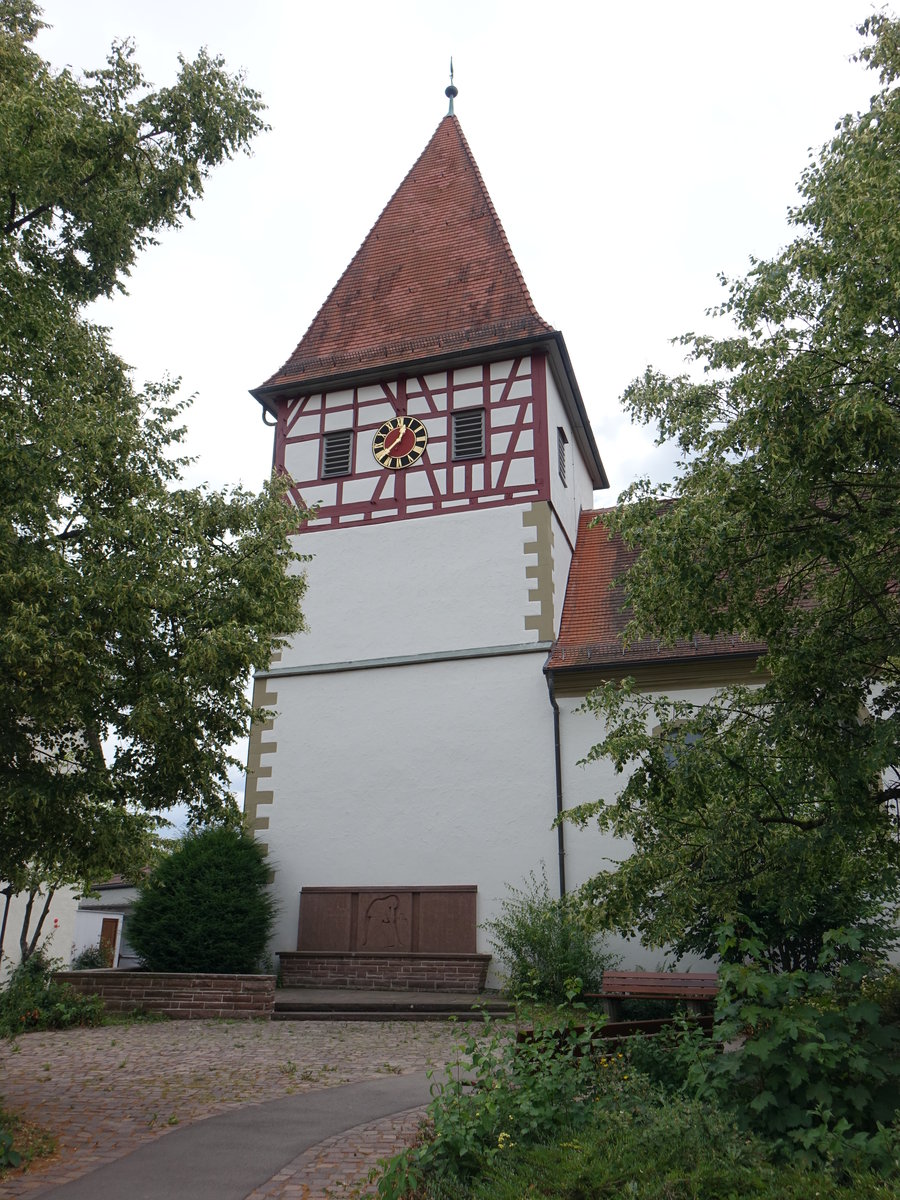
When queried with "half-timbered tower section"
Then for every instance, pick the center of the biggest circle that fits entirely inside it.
(433, 421)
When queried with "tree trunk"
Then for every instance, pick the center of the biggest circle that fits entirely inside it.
(26, 921)
(8, 893)
(26, 947)
(32, 945)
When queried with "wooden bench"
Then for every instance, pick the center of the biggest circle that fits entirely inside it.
(696, 987)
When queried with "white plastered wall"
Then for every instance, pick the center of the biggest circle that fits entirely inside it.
(110, 901)
(57, 931)
(577, 493)
(451, 582)
(89, 929)
(437, 773)
(588, 851)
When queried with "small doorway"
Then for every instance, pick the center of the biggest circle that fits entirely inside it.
(109, 936)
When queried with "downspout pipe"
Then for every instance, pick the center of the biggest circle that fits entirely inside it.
(560, 831)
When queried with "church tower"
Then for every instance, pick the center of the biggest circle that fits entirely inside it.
(432, 419)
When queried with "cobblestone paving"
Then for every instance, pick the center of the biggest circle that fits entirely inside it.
(104, 1092)
(337, 1169)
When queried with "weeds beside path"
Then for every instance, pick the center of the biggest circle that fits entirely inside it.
(105, 1091)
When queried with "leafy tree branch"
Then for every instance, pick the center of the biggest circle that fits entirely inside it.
(781, 528)
(132, 608)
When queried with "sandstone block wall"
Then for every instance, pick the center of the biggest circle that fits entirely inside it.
(392, 972)
(183, 996)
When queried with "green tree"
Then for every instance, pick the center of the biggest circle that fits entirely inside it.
(781, 527)
(132, 608)
(206, 906)
(734, 818)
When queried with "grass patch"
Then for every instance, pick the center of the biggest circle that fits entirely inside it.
(138, 1016)
(30, 1142)
(680, 1151)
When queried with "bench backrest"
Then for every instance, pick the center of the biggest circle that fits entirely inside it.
(664, 984)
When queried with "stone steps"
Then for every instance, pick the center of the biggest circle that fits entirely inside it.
(399, 1006)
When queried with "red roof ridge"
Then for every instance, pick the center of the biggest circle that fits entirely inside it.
(463, 287)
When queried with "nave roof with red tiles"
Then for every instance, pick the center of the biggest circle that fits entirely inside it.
(435, 274)
(596, 613)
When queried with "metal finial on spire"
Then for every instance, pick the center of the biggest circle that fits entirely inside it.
(451, 91)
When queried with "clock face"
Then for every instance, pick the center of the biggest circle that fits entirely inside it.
(399, 443)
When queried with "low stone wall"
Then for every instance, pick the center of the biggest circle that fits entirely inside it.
(183, 996)
(391, 971)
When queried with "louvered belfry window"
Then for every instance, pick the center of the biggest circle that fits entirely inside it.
(561, 442)
(468, 433)
(337, 453)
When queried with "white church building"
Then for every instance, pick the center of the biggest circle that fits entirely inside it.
(425, 731)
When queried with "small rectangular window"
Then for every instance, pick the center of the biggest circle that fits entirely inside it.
(676, 741)
(561, 442)
(337, 453)
(468, 433)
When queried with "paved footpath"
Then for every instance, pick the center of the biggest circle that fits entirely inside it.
(112, 1092)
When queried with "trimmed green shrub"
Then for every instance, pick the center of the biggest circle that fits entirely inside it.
(206, 907)
(32, 999)
(544, 943)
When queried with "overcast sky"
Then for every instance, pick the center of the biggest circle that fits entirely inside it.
(632, 153)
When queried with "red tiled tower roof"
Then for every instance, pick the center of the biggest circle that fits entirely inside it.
(435, 274)
(595, 612)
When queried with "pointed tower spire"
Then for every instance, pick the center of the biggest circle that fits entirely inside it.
(434, 276)
(451, 92)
